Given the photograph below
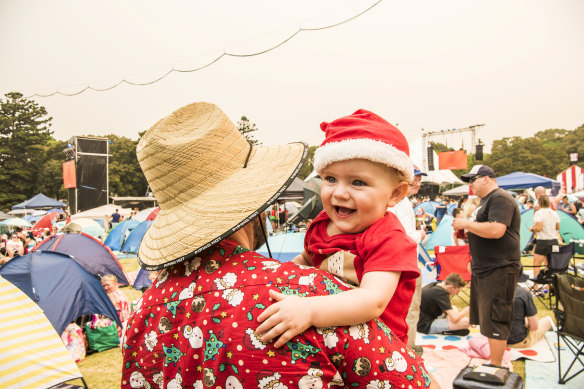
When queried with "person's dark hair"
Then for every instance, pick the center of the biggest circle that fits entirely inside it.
(543, 201)
(456, 211)
(455, 280)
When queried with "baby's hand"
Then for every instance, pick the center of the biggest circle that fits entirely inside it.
(288, 317)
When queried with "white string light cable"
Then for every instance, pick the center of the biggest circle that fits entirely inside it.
(224, 54)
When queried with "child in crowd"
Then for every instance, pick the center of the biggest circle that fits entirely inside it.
(365, 168)
(459, 237)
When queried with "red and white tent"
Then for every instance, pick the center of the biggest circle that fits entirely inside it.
(572, 179)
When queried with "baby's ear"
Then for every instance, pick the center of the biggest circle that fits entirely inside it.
(399, 192)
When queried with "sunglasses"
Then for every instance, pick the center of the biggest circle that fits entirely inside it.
(473, 179)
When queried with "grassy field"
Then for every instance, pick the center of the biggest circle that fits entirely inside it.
(104, 370)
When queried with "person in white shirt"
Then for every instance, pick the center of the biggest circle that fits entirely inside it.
(546, 226)
(405, 213)
(14, 246)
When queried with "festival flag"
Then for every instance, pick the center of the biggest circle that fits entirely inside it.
(452, 160)
(69, 179)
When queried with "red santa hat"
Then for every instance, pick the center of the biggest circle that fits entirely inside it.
(364, 135)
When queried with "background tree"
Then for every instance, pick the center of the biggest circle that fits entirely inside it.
(50, 177)
(246, 128)
(308, 166)
(24, 132)
(125, 175)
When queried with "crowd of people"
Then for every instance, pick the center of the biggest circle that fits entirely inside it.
(346, 310)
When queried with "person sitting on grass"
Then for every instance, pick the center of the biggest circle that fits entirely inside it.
(527, 329)
(437, 315)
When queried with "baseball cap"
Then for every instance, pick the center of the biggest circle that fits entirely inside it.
(418, 172)
(478, 170)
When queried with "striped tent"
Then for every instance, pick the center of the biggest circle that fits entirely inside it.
(572, 179)
(32, 354)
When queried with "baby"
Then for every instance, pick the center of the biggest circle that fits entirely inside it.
(365, 168)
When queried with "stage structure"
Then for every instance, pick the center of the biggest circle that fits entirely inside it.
(430, 163)
(91, 158)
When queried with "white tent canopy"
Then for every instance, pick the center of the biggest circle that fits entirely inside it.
(458, 191)
(103, 212)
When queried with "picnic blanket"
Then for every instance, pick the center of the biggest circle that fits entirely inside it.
(545, 375)
(540, 351)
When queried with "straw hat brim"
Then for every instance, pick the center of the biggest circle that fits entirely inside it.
(186, 229)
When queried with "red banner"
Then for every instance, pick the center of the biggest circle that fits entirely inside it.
(69, 177)
(452, 160)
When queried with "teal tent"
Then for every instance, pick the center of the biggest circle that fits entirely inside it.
(570, 229)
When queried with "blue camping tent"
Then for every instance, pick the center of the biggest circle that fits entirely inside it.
(39, 201)
(520, 180)
(60, 286)
(142, 281)
(284, 247)
(428, 206)
(116, 237)
(443, 234)
(133, 240)
(88, 252)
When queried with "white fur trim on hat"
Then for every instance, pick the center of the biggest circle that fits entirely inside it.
(372, 150)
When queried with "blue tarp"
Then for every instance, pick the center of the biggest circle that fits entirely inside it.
(88, 252)
(133, 240)
(116, 237)
(39, 201)
(520, 180)
(60, 286)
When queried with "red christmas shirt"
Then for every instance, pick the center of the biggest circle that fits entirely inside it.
(384, 246)
(194, 328)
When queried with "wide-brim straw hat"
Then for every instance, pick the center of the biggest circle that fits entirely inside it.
(208, 180)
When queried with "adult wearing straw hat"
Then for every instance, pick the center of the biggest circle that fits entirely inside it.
(195, 326)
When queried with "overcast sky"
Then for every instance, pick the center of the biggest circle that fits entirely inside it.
(515, 66)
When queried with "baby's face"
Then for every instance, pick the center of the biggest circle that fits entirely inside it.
(356, 193)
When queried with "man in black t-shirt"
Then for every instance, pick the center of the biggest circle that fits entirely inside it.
(493, 237)
(526, 329)
(437, 315)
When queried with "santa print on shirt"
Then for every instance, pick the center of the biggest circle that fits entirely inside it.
(194, 327)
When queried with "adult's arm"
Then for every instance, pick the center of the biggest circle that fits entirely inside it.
(538, 226)
(455, 315)
(532, 322)
(488, 230)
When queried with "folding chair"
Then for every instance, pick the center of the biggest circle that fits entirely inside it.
(569, 312)
(558, 258)
(452, 259)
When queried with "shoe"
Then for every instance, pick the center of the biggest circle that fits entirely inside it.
(463, 332)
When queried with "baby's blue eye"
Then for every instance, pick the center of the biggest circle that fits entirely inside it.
(359, 183)
(330, 179)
